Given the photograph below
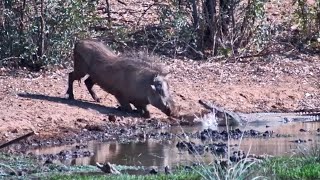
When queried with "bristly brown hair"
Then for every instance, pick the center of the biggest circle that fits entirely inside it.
(145, 60)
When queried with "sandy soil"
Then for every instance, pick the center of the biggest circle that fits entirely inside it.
(279, 85)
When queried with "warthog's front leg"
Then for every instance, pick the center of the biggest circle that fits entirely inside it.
(124, 104)
(143, 110)
(89, 83)
(70, 85)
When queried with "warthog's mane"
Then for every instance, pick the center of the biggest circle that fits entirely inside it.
(145, 61)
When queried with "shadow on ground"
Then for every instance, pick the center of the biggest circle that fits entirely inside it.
(81, 104)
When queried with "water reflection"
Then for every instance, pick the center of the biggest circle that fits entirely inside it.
(162, 153)
(282, 145)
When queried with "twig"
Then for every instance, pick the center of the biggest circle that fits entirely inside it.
(252, 55)
(144, 12)
(16, 140)
(10, 168)
(9, 58)
(108, 11)
(121, 2)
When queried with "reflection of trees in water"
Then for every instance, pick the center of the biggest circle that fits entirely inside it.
(104, 151)
(140, 153)
(148, 153)
(282, 145)
(101, 152)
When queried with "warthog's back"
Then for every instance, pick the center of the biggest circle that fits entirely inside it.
(125, 77)
(93, 51)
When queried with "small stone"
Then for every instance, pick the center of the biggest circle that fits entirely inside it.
(48, 161)
(112, 118)
(93, 127)
(303, 130)
(81, 120)
(153, 171)
(167, 170)
(14, 131)
(122, 131)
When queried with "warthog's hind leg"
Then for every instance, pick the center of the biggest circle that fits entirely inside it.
(89, 83)
(70, 86)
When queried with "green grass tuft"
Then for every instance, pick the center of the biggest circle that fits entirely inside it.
(292, 168)
(176, 176)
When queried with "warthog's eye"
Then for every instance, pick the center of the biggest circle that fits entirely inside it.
(158, 87)
(167, 104)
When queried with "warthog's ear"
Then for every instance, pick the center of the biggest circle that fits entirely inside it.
(167, 76)
(165, 70)
(156, 78)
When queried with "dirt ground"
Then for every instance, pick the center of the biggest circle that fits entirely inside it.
(281, 84)
(277, 85)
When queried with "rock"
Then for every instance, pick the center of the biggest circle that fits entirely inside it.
(93, 127)
(112, 118)
(167, 170)
(303, 130)
(48, 161)
(153, 171)
(107, 168)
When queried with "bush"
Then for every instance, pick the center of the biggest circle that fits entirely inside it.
(307, 24)
(213, 27)
(43, 33)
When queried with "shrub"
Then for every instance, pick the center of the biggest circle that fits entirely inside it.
(42, 33)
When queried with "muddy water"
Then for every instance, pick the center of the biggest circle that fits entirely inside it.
(162, 153)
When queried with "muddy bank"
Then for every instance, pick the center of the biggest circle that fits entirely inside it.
(154, 143)
(276, 86)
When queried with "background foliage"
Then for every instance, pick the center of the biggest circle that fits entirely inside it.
(36, 33)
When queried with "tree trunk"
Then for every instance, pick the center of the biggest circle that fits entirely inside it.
(210, 38)
(1, 14)
(195, 14)
(22, 21)
(225, 15)
(41, 31)
(108, 11)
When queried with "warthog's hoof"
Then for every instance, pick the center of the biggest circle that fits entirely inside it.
(70, 96)
(124, 109)
(98, 100)
(146, 115)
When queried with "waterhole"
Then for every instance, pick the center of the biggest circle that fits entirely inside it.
(290, 134)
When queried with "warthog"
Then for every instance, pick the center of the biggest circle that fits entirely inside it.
(129, 78)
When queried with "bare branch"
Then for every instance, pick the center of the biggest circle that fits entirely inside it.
(10, 58)
(121, 2)
(144, 12)
(16, 140)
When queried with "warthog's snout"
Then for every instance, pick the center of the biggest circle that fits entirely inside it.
(169, 110)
